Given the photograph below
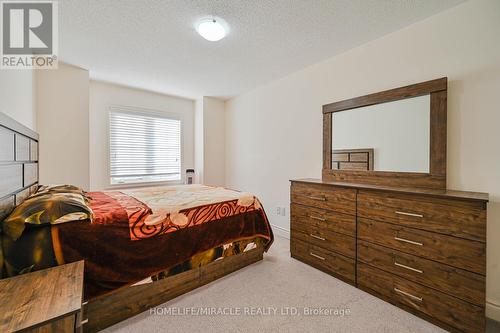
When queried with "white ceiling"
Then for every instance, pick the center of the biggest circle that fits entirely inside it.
(152, 44)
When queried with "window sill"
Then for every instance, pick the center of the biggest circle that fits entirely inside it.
(145, 184)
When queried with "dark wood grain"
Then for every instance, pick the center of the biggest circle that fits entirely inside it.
(30, 174)
(386, 178)
(8, 122)
(453, 281)
(6, 206)
(352, 159)
(340, 157)
(435, 179)
(359, 157)
(330, 262)
(323, 219)
(6, 145)
(462, 196)
(456, 252)
(341, 200)
(464, 221)
(33, 150)
(325, 238)
(22, 148)
(327, 141)
(412, 90)
(438, 136)
(123, 303)
(447, 309)
(11, 179)
(16, 142)
(21, 196)
(64, 325)
(35, 299)
(362, 166)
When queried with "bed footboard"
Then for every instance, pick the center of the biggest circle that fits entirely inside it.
(124, 303)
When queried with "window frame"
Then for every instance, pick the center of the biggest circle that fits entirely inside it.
(141, 111)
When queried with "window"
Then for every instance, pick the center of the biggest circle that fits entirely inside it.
(143, 147)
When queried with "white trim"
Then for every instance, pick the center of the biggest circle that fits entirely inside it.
(280, 231)
(493, 310)
(145, 184)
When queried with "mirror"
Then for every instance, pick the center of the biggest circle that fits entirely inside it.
(391, 136)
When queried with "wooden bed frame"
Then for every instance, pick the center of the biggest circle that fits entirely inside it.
(19, 179)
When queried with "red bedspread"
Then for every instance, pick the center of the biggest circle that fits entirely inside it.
(114, 259)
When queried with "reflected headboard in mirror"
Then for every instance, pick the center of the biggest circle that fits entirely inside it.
(405, 129)
(18, 164)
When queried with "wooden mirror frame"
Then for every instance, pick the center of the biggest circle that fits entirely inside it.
(435, 178)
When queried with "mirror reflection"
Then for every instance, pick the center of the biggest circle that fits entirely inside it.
(391, 136)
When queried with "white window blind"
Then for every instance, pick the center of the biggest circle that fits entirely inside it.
(143, 148)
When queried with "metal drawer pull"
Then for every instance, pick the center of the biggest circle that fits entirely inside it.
(83, 322)
(408, 241)
(408, 267)
(317, 237)
(316, 256)
(85, 303)
(408, 294)
(317, 198)
(317, 218)
(409, 214)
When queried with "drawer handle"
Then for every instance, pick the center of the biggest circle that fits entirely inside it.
(85, 303)
(317, 218)
(408, 267)
(408, 241)
(316, 256)
(409, 214)
(317, 237)
(83, 322)
(420, 299)
(317, 198)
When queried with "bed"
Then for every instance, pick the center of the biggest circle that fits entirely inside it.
(142, 247)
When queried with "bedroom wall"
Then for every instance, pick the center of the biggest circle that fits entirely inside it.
(210, 152)
(274, 133)
(214, 141)
(199, 151)
(102, 96)
(17, 96)
(62, 97)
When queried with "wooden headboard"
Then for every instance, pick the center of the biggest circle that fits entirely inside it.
(18, 164)
(352, 159)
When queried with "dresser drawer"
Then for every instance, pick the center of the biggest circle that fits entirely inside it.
(327, 261)
(447, 309)
(323, 219)
(457, 252)
(453, 281)
(342, 200)
(465, 219)
(324, 238)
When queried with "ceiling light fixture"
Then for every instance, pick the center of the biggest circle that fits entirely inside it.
(211, 29)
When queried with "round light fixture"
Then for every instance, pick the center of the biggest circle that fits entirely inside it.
(211, 29)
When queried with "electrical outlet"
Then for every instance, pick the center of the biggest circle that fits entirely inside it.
(281, 211)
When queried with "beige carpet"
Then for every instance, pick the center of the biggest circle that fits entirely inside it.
(276, 283)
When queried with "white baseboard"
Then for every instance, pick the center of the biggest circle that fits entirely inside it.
(493, 310)
(280, 231)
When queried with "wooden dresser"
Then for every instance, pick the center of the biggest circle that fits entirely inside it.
(422, 250)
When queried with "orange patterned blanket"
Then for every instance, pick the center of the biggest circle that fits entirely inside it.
(178, 207)
(133, 237)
